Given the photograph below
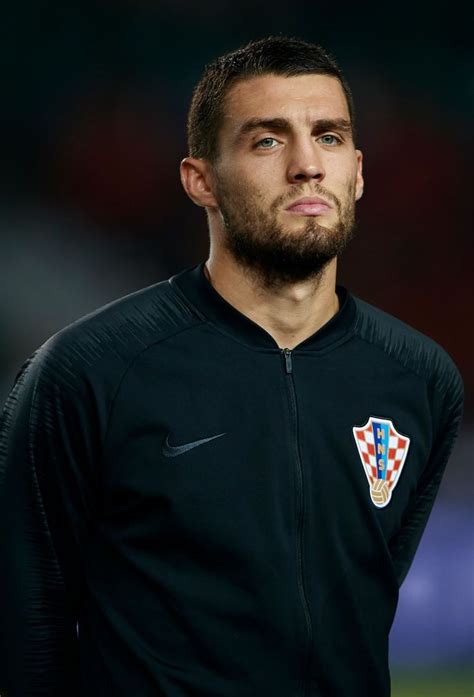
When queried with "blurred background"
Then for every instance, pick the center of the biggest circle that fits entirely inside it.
(95, 96)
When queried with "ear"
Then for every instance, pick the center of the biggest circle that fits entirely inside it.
(359, 189)
(196, 179)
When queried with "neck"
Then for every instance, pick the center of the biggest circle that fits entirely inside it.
(291, 313)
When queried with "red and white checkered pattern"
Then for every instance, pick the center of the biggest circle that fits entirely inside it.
(397, 450)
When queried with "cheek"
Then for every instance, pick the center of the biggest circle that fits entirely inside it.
(246, 186)
(257, 169)
(343, 184)
(341, 166)
(235, 177)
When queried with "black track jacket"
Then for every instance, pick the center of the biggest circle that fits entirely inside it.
(189, 510)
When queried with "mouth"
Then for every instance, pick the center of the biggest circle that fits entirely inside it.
(309, 206)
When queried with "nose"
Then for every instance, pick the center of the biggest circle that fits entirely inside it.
(305, 162)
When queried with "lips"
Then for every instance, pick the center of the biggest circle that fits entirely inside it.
(309, 205)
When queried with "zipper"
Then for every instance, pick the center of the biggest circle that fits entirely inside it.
(288, 363)
(287, 355)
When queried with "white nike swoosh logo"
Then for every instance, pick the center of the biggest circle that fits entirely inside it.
(173, 450)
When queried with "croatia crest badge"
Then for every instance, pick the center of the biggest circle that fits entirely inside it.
(383, 453)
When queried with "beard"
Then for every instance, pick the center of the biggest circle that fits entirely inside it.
(272, 255)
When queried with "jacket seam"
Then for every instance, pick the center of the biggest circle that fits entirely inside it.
(129, 366)
(407, 368)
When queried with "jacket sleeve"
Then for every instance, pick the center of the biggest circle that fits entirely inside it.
(447, 409)
(47, 485)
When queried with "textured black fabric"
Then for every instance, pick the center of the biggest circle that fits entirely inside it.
(252, 564)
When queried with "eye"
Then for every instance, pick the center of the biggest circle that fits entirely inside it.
(265, 140)
(330, 135)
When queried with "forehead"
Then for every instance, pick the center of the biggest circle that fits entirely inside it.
(300, 98)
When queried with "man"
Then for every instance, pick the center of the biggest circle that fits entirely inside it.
(215, 486)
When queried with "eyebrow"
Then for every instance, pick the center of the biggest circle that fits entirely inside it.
(283, 125)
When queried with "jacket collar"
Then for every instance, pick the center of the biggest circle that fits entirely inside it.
(201, 295)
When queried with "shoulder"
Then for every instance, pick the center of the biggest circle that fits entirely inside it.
(412, 349)
(97, 348)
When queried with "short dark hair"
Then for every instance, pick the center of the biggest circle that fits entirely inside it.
(278, 55)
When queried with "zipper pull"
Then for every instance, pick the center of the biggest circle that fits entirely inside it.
(288, 365)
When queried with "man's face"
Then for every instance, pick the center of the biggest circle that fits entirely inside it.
(262, 168)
